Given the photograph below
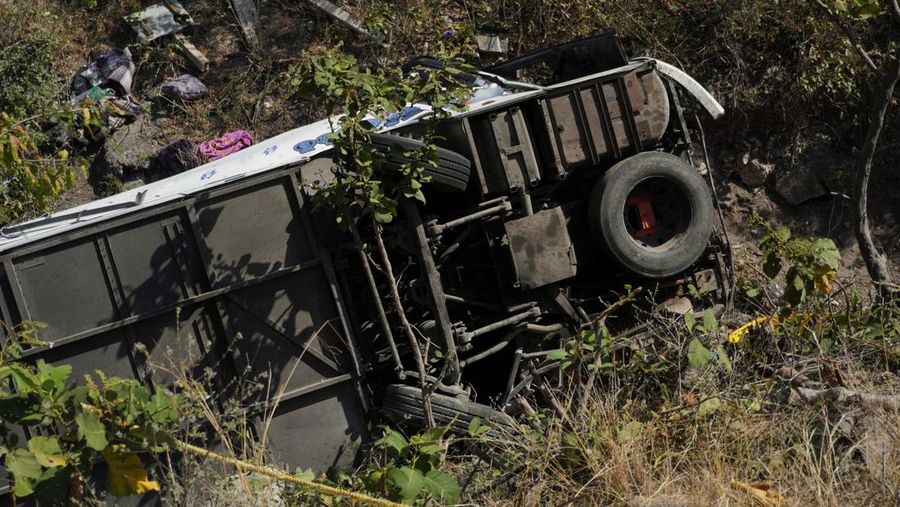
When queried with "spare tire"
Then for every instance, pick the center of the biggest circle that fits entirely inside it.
(653, 214)
(404, 404)
(450, 175)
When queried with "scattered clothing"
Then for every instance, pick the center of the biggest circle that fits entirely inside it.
(125, 106)
(184, 87)
(231, 142)
(106, 84)
(113, 70)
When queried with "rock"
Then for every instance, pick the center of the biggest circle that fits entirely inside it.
(815, 162)
(754, 173)
(130, 149)
(184, 87)
(677, 305)
(802, 183)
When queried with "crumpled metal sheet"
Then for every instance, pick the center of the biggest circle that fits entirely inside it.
(160, 19)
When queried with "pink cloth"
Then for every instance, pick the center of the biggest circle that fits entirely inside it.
(228, 143)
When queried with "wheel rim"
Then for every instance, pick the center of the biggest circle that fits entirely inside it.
(657, 214)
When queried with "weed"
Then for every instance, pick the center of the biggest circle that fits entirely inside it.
(28, 84)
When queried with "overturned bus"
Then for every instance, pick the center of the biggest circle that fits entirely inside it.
(550, 195)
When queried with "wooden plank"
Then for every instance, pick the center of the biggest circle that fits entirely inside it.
(190, 51)
(248, 17)
(346, 18)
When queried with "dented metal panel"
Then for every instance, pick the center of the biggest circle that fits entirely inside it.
(505, 155)
(232, 281)
(603, 119)
(541, 249)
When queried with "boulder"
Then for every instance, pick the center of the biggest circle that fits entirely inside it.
(802, 183)
(130, 149)
(806, 179)
(754, 173)
(185, 87)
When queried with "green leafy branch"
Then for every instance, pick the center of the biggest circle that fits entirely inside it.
(410, 472)
(106, 418)
(29, 177)
(812, 263)
(350, 95)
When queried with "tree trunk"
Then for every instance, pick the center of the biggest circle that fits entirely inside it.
(876, 261)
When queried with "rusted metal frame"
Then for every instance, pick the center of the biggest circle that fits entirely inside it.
(514, 319)
(531, 165)
(330, 275)
(513, 373)
(504, 148)
(15, 286)
(172, 306)
(628, 111)
(555, 139)
(686, 134)
(493, 349)
(437, 229)
(531, 375)
(531, 175)
(282, 332)
(585, 125)
(729, 284)
(434, 285)
(607, 128)
(476, 158)
(605, 75)
(550, 129)
(376, 296)
(114, 286)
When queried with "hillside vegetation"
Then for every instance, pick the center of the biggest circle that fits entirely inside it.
(792, 397)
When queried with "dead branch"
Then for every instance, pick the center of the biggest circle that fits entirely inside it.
(407, 328)
(876, 261)
(843, 395)
(851, 36)
(895, 9)
(600, 321)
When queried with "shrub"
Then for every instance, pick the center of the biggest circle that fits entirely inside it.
(27, 81)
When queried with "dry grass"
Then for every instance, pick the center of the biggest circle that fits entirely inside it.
(652, 443)
(226, 426)
(616, 452)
